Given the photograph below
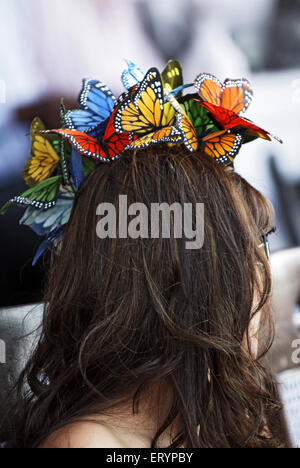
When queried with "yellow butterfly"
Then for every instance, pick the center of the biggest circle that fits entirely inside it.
(142, 114)
(44, 157)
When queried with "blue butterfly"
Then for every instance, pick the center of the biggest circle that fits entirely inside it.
(43, 222)
(77, 169)
(96, 103)
(51, 238)
(132, 76)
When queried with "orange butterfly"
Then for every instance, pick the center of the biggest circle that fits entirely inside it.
(226, 101)
(235, 95)
(222, 146)
(102, 142)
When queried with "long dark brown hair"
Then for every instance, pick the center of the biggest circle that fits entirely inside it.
(122, 314)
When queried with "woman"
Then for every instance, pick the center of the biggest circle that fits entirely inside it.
(146, 343)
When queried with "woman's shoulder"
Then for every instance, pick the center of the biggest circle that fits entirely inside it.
(83, 435)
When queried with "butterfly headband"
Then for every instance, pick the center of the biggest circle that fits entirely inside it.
(152, 110)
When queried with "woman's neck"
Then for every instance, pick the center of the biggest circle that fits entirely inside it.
(140, 426)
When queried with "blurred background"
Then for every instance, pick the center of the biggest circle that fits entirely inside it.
(48, 46)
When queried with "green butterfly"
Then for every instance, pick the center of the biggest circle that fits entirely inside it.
(198, 115)
(62, 110)
(42, 197)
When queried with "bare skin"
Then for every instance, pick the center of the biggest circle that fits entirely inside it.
(120, 428)
(91, 435)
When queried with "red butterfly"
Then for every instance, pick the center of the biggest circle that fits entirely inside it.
(102, 147)
(232, 121)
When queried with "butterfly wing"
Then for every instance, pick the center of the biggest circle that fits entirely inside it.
(226, 118)
(209, 88)
(83, 143)
(77, 169)
(172, 78)
(188, 131)
(96, 102)
(80, 120)
(98, 98)
(222, 146)
(231, 121)
(163, 135)
(52, 237)
(184, 124)
(169, 115)
(199, 116)
(114, 143)
(132, 76)
(42, 197)
(43, 222)
(142, 112)
(172, 75)
(237, 95)
(44, 157)
(126, 95)
(102, 142)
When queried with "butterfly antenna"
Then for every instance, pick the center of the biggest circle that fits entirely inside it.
(181, 88)
(277, 138)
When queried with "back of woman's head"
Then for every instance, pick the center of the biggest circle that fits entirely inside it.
(124, 313)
